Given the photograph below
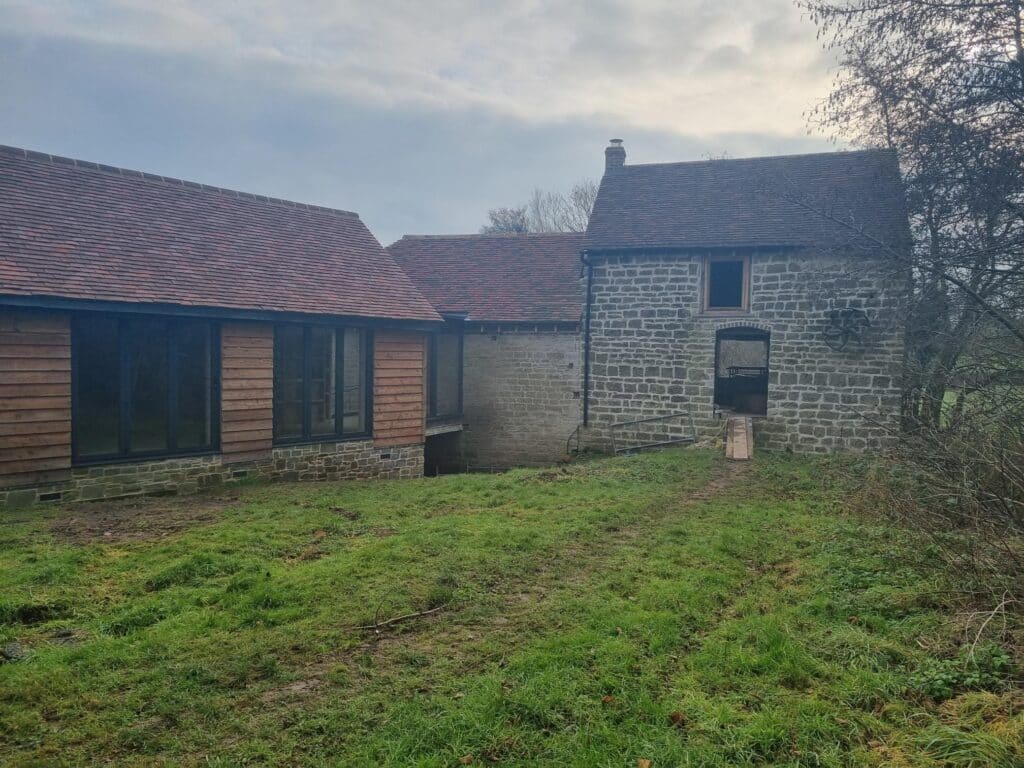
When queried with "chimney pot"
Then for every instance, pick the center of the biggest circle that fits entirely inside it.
(614, 156)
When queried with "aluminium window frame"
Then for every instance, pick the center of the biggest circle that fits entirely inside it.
(307, 438)
(124, 398)
(744, 307)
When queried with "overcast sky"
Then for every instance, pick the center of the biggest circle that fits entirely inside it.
(418, 115)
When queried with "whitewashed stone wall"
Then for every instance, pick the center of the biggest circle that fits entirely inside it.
(653, 349)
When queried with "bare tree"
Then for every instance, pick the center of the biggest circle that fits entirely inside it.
(941, 82)
(562, 212)
(549, 211)
(506, 221)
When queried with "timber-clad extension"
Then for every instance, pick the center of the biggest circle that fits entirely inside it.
(158, 335)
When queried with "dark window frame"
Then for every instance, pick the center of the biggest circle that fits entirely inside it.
(744, 305)
(339, 435)
(452, 328)
(124, 398)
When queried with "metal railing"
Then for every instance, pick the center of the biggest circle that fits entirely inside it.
(648, 429)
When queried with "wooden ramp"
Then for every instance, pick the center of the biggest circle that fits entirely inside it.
(739, 438)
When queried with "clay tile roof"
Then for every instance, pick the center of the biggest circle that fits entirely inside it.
(497, 278)
(78, 230)
(750, 202)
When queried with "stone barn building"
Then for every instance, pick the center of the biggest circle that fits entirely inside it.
(760, 287)
(159, 335)
(763, 287)
(520, 301)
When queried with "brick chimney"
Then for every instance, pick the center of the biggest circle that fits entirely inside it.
(614, 156)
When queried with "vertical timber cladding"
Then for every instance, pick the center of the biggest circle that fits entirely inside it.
(247, 391)
(399, 413)
(35, 397)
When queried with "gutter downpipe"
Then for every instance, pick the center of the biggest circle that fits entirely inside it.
(586, 337)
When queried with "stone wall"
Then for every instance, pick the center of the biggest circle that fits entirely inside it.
(653, 348)
(521, 397)
(345, 460)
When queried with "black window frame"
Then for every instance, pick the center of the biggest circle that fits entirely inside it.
(124, 400)
(339, 434)
(453, 327)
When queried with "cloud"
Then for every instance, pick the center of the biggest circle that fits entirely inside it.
(650, 64)
(420, 116)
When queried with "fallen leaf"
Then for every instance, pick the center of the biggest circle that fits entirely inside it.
(608, 699)
(643, 762)
(678, 719)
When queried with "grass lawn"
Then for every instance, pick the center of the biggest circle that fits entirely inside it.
(667, 607)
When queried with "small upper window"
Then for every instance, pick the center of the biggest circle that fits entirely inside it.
(726, 283)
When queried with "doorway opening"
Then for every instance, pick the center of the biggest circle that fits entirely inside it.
(741, 371)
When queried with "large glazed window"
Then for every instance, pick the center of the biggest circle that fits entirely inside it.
(320, 383)
(143, 386)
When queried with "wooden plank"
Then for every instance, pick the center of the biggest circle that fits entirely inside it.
(34, 377)
(255, 425)
(38, 322)
(265, 436)
(397, 399)
(234, 360)
(37, 364)
(27, 390)
(35, 478)
(247, 414)
(390, 413)
(385, 347)
(398, 365)
(21, 417)
(27, 452)
(34, 339)
(247, 403)
(244, 424)
(35, 465)
(8, 442)
(245, 446)
(392, 388)
(400, 354)
(29, 351)
(35, 428)
(247, 374)
(393, 381)
(246, 385)
(33, 403)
